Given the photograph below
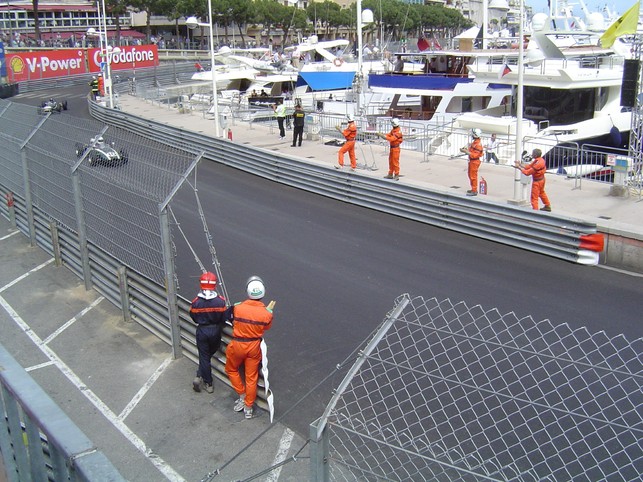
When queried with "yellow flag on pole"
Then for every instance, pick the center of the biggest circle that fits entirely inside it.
(626, 24)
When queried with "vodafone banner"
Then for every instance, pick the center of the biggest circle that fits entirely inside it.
(130, 57)
(59, 63)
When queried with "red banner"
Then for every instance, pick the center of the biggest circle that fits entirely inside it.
(60, 63)
(45, 64)
(130, 57)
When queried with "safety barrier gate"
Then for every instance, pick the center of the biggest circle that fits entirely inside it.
(551, 234)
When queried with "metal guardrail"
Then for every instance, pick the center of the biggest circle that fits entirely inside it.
(553, 235)
(38, 441)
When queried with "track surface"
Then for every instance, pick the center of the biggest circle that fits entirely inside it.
(335, 270)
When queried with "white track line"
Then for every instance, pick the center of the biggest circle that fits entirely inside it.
(47, 340)
(144, 389)
(20, 278)
(282, 453)
(40, 365)
(8, 235)
(158, 462)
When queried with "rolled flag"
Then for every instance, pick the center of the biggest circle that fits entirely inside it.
(504, 71)
(270, 399)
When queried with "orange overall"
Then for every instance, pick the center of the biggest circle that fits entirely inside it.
(536, 169)
(475, 154)
(250, 319)
(101, 86)
(395, 139)
(350, 133)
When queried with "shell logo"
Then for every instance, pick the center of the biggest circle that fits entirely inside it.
(17, 65)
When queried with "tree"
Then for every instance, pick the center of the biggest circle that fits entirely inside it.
(116, 8)
(36, 18)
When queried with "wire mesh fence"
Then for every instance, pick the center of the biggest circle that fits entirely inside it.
(453, 392)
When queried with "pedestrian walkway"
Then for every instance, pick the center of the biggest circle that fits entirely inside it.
(119, 383)
(591, 201)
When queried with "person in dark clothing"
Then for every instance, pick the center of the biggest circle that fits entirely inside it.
(298, 117)
(94, 86)
(208, 311)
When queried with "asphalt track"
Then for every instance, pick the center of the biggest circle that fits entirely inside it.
(335, 269)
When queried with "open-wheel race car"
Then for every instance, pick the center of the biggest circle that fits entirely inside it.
(102, 153)
(52, 105)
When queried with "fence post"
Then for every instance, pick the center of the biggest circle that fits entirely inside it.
(28, 201)
(318, 451)
(170, 284)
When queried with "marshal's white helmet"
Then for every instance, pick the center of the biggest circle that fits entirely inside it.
(476, 133)
(395, 122)
(255, 288)
(350, 118)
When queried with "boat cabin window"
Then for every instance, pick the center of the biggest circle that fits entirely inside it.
(559, 106)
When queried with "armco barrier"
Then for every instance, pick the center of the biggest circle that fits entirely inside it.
(548, 234)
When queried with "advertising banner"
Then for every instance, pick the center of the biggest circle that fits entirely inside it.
(59, 63)
(130, 57)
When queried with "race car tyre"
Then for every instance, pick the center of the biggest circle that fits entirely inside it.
(124, 156)
(64, 104)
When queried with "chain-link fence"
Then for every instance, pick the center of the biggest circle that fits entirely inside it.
(109, 187)
(449, 392)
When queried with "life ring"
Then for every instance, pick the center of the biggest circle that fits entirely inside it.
(337, 61)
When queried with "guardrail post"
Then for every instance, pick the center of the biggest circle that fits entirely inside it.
(55, 244)
(318, 451)
(11, 207)
(82, 234)
(123, 288)
(170, 285)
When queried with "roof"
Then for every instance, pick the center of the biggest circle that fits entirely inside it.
(65, 34)
(470, 33)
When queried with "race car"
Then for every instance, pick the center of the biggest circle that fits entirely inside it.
(102, 153)
(52, 105)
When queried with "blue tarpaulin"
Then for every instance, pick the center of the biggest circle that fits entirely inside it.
(326, 80)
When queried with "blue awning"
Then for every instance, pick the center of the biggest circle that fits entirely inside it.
(326, 80)
(418, 82)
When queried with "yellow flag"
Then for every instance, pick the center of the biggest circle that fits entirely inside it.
(626, 24)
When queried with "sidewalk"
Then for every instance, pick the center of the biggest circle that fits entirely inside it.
(591, 202)
(119, 383)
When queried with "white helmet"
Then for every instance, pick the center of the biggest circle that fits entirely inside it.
(100, 139)
(476, 133)
(255, 288)
(350, 118)
(395, 122)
